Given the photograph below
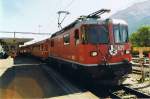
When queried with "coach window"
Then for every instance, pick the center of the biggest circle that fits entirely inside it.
(76, 37)
(46, 47)
(66, 39)
(41, 47)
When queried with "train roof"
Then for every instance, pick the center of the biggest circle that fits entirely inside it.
(65, 28)
(93, 17)
(88, 21)
(36, 43)
(79, 21)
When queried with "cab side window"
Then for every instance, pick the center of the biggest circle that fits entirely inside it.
(66, 39)
(76, 37)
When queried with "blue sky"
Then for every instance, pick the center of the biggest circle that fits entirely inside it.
(27, 15)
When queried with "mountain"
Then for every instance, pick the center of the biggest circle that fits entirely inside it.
(136, 15)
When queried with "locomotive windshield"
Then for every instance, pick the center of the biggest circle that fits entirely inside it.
(97, 34)
(120, 33)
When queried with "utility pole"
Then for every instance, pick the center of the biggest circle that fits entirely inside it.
(14, 41)
(14, 35)
(39, 27)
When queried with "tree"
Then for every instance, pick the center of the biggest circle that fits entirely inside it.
(141, 37)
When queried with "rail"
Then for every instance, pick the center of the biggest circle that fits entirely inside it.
(135, 62)
(141, 68)
(125, 92)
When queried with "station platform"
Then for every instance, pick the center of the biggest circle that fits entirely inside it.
(30, 78)
(5, 64)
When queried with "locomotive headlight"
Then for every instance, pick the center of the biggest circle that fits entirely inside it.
(127, 52)
(94, 53)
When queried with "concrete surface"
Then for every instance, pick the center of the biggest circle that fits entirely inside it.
(5, 64)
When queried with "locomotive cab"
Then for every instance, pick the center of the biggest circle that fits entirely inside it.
(107, 48)
(108, 37)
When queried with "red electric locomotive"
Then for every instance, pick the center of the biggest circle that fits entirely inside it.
(96, 48)
(99, 48)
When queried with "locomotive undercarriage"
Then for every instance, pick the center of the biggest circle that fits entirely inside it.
(101, 74)
(110, 74)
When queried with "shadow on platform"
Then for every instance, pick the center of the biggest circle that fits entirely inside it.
(26, 80)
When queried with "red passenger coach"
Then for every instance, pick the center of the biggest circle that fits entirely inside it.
(99, 48)
(39, 49)
(25, 50)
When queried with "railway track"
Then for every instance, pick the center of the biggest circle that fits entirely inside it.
(121, 92)
(125, 92)
(137, 70)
